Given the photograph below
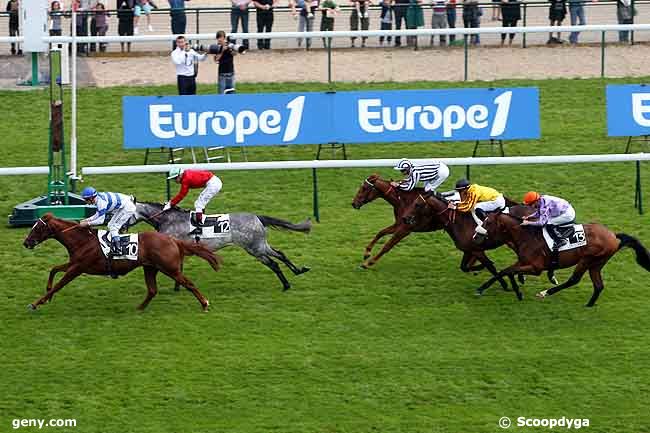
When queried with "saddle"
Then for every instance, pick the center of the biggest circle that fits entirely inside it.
(208, 220)
(128, 245)
(564, 231)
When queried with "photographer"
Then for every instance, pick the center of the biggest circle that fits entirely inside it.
(185, 59)
(224, 51)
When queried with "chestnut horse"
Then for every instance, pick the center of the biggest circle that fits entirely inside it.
(534, 256)
(402, 201)
(156, 252)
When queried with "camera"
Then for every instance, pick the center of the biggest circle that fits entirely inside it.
(218, 49)
(199, 48)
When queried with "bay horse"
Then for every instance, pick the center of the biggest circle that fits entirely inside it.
(402, 201)
(534, 256)
(460, 227)
(156, 253)
(246, 230)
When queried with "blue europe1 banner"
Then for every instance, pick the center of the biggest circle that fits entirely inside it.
(343, 117)
(628, 110)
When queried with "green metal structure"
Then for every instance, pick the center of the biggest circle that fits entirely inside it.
(58, 200)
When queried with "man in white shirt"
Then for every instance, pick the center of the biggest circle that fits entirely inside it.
(185, 58)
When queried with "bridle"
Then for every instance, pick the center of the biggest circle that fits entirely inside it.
(385, 194)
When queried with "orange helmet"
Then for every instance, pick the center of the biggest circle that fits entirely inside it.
(531, 197)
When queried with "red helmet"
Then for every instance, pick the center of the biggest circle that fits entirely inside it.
(531, 197)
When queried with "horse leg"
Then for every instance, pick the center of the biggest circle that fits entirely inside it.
(189, 285)
(266, 260)
(177, 287)
(489, 265)
(55, 270)
(517, 268)
(152, 288)
(397, 237)
(597, 279)
(383, 232)
(578, 272)
(72, 273)
(280, 255)
(469, 265)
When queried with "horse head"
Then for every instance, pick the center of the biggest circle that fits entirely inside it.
(41, 231)
(434, 205)
(371, 188)
(499, 226)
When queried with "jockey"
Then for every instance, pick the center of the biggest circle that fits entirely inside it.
(194, 179)
(433, 175)
(121, 205)
(478, 200)
(551, 211)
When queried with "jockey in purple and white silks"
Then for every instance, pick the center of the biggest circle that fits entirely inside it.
(550, 210)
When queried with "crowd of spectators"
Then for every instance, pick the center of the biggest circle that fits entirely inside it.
(92, 18)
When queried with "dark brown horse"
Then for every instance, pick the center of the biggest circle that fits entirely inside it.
(460, 227)
(402, 201)
(533, 255)
(156, 252)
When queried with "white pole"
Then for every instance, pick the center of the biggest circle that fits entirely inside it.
(73, 129)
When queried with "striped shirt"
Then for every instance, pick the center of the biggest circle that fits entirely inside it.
(420, 173)
(107, 202)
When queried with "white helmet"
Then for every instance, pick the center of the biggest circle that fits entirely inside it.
(404, 164)
(175, 172)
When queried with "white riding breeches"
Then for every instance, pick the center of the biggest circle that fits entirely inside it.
(212, 188)
(487, 206)
(443, 174)
(567, 217)
(121, 217)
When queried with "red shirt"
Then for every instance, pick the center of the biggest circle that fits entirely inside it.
(191, 179)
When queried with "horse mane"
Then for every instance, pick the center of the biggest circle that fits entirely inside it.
(58, 222)
(160, 206)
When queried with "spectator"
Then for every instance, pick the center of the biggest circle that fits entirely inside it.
(439, 19)
(55, 19)
(305, 17)
(178, 18)
(360, 13)
(185, 59)
(125, 21)
(13, 7)
(556, 14)
(329, 9)
(496, 10)
(511, 13)
(99, 25)
(471, 17)
(577, 13)
(625, 15)
(414, 19)
(400, 7)
(81, 8)
(225, 51)
(264, 20)
(239, 12)
(143, 7)
(451, 19)
(386, 19)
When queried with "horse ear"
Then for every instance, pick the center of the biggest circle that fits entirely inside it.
(48, 216)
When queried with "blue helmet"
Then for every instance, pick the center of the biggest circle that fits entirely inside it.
(404, 164)
(88, 192)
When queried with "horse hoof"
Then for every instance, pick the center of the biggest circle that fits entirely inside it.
(305, 269)
(541, 295)
(31, 307)
(366, 256)
(286, 287)
(521, 278)
(554, 280)
(520, 296)
(479, 292)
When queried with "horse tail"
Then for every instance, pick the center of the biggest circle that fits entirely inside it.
(642, 254)
(278, 224)
(194, 249)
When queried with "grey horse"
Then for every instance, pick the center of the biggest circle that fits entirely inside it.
(248, 231)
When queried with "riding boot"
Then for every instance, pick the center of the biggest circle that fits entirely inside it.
(198, 223)
(555, 251)
(115, 251)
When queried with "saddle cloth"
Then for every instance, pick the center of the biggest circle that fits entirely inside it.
(214, 226)
(573, 234)
(129, 246)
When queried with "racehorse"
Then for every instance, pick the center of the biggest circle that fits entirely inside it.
(460, 227)
(374, 187)
(534, 256)
(247, 231)
(156, 252)
(406, 222)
